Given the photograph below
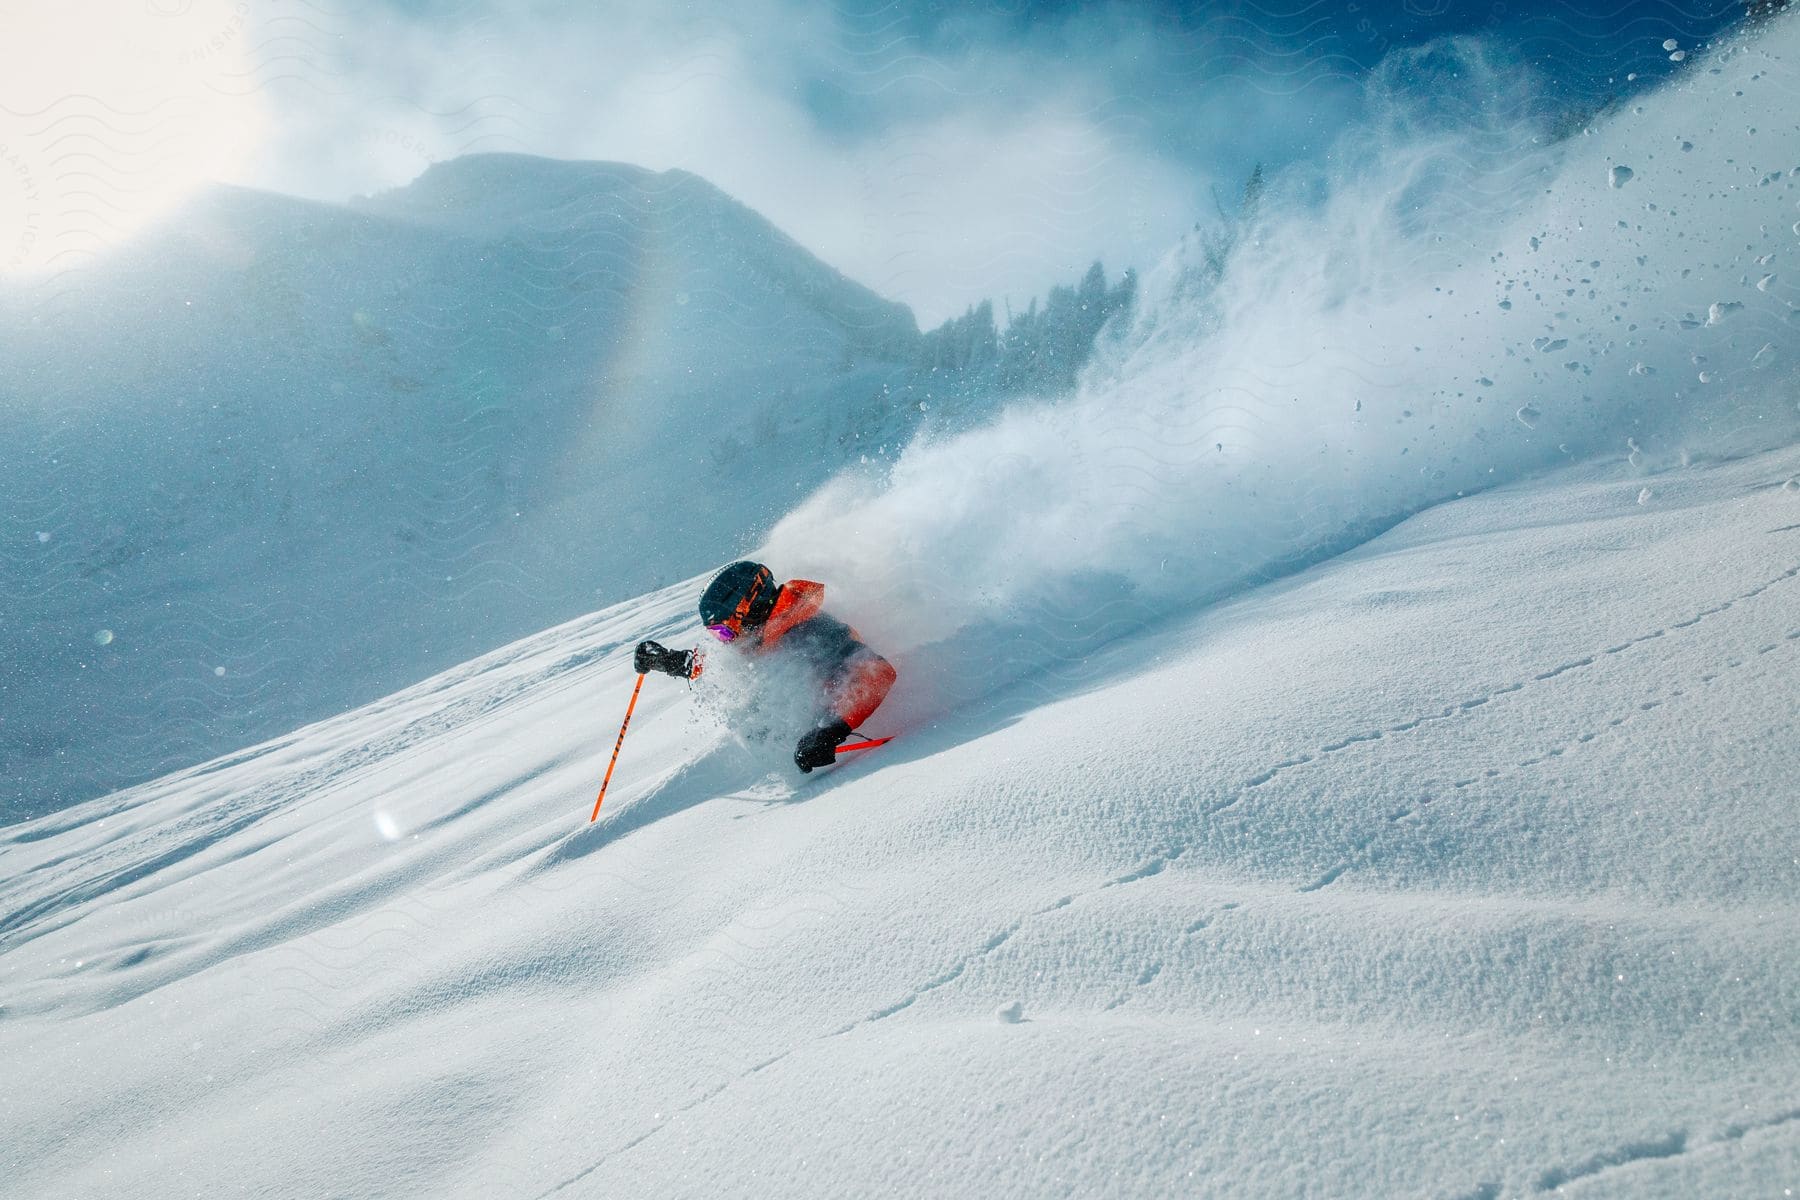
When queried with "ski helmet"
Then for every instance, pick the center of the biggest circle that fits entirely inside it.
(738, 599)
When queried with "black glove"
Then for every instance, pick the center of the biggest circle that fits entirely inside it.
(650, 656)
(819, 748)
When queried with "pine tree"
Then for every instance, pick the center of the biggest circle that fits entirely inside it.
(1253, 193)
(1041, 349)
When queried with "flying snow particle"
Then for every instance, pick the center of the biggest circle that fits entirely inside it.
(1721, 309)
(103, 637)
(219, 671)
(1528, 416)
(1792, 485)
(1010, 1014)
(1678, 56)
(1706, 377)
(1762, 285)
(1621, 175)
(1644, 496)
(43, 536)
(386, 826)
(1671, 44)
(1763, 357)
(1642, 369)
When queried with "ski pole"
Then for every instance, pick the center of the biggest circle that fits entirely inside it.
(868, 745)
(616, 747)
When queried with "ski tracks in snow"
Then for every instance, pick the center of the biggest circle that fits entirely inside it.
(1461, 708)
(1359, 851)
(1671, 1145)
(1157, 865)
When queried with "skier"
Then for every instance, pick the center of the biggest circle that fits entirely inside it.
(747, 610)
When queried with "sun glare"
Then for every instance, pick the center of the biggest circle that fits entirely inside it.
(113, 111)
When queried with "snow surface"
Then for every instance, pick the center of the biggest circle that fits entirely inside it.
(1347, 748)
(1463, 864)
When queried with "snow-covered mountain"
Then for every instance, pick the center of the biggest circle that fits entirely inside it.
(282, 457)
(1345, 749)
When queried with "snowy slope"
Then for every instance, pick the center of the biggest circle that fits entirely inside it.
(1460, 865)
(1347, 749)
(281, 457)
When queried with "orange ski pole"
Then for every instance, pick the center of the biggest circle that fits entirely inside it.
(616, 748)
(868, 745)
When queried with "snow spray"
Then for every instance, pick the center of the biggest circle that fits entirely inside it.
(1471, 291)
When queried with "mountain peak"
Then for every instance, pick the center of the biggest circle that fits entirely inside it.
(495, 196)
(486, 190)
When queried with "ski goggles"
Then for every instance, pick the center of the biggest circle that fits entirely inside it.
(733, 625)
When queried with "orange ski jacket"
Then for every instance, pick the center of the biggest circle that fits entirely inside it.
(853, 679)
